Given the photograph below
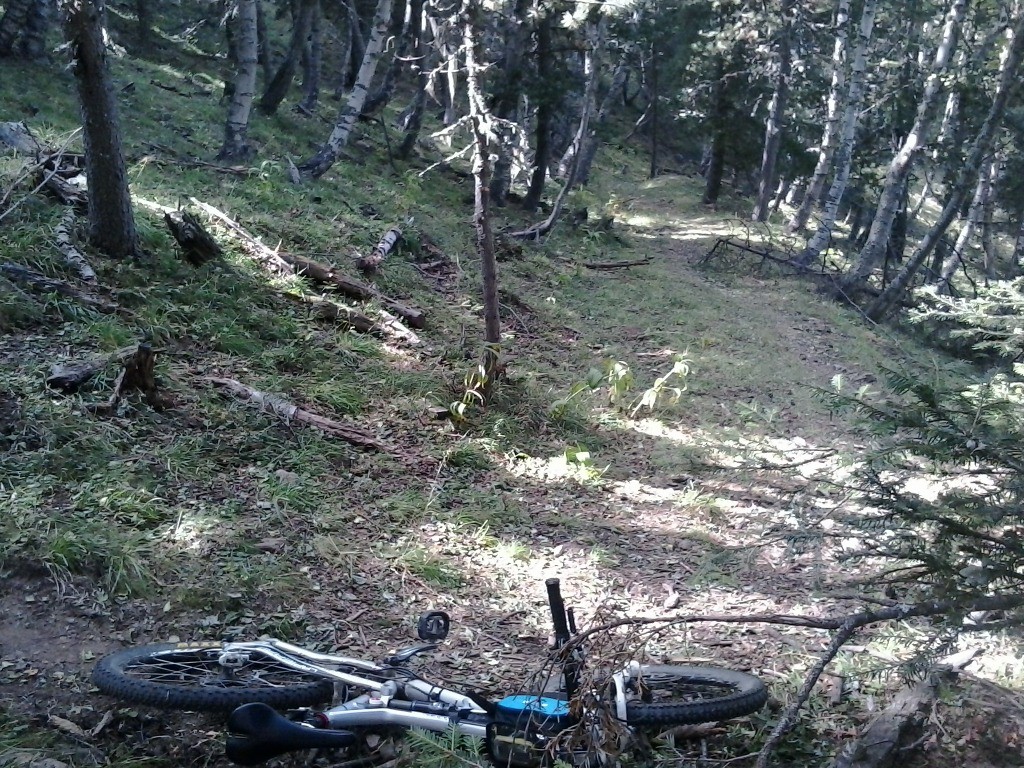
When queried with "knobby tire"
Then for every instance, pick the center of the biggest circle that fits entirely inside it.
(187, 676)
(682, 695)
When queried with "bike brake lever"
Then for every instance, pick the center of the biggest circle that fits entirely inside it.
(404, 655)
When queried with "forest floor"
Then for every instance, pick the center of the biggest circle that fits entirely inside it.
(678, 510)
(209, 518)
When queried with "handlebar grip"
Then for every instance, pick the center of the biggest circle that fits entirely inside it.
(558, 618)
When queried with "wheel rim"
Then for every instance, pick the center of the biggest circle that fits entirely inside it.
(190, 669)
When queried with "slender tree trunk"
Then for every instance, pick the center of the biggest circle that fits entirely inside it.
(509, 90)
(591, 143)
(980, 148)
(111, 220)
(655, 96)
(545, 116)
(381, 97)
(421, 65)
(479, 120)
(719, 128)
(972, 222)
(328, 154)
(143, 22)
(900, 167)
(833, 120)
(844, 152)
(279, 84)
(988, 243)
(312, 56)
(776, 116)
(236, 147)
(263, 56)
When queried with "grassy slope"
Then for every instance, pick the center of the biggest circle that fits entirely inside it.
(210, 518)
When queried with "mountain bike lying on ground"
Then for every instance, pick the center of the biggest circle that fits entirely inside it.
(565, 720)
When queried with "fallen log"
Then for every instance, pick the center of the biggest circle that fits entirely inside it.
(290, 412)
(18, 137)
(286, 263)
(616, 264)
(373, 261)
(326, 275)
(328, 310)
(197, 245)
(901, 726)
(69, 377)
(268, 257)
(43, 284)
(395, 327)
(72, 256)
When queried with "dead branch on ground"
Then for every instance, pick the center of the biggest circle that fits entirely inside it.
(616, 264)
(72, 256)
(284, 263)
(277, 405)
(43, 284)
(372, 262)
(69, 377)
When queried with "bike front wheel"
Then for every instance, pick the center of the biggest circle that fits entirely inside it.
(681, 695)
(190, 676)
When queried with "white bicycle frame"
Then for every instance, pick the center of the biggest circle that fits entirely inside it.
(373, 707)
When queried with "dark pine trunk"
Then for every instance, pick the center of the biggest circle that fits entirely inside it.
(111, 221)
(278, 86)
(545, 116)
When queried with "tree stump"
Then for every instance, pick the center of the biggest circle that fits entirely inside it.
(197, 245)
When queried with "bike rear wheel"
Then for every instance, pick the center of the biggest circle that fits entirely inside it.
(189, 676)
(683, 695)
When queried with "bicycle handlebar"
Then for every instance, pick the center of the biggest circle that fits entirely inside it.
(558, 614)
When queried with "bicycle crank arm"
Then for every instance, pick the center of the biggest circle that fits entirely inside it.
(257, 733)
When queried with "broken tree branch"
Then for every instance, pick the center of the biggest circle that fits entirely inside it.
(282, 262)
(72, 256)
(276, 404)
(616, 264)
(43, 284)
(373, 261)
(69, 377)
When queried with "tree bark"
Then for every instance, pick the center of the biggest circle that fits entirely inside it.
(776, 116)
(833, 120)
(971, 224)
(479, 120)
(111, 220)
(591, 143)
(591, 71)
(236, 147)
(719, 112)
(277, 88)
(329, 153)
(545, 115)
(311, 58)
(903, 161)
(844, 152)
(980, 148)
(509, 90)
(421, 65)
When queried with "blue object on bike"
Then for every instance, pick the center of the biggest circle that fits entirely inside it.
(533, 706)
